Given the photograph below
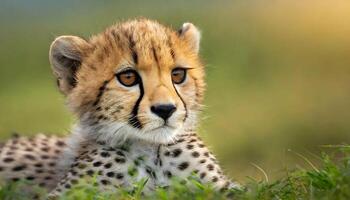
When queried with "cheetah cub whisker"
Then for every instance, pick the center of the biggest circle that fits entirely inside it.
(136, 90)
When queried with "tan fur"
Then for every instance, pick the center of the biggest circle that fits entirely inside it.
(112, 116)
(111, 49)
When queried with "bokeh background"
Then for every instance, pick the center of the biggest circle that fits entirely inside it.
(278, 72)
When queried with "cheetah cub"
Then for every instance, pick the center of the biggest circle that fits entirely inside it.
(136, 89)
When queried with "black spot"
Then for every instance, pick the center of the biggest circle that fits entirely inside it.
(190, 146)
(97, 164)
(19, 168)
(183, 166)
(60, 143)
(119, 160)
(48, 178)
(215, 179)
(45, 157)
(94, 151)
(74, 173)
(67, 186)
(108, 165)
(167, 153)
(105, 154)
(30, 157)
(180, 140)
(177, 152)
(90, 172)
(195, 154)
(45, 149)
(15, 179)
(38, 165)
(202, 175)
(105, 182)
(39, 171)
(137, 162)
(120, 153)
(28, 149)
(210, 167)
(203, 161)
(193, 140)
(119, 176)
(110, 174)
(206, 154)
(7, 160)
(201, 145)
(30, 178)
(171, 144)
(168, 174)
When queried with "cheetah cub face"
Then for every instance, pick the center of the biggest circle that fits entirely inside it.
(138, 79)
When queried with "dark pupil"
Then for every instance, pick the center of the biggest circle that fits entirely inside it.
(128, 75)
(178, 73)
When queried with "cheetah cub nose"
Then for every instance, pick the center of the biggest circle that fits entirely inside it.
(164, 111)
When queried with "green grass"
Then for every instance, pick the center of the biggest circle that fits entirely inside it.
(331, 180)
(277, 71)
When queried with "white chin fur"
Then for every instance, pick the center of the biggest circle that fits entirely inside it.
(116, 133)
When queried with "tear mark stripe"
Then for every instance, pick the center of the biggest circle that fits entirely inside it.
(183, 102)
(133, 120)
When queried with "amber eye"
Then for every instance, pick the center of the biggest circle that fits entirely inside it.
(178, 75)
(128, 78)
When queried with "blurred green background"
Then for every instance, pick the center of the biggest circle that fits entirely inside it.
(278, 72)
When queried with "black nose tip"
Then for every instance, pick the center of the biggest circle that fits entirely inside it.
(163, 110)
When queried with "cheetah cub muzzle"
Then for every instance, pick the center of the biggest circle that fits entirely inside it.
(136, 90)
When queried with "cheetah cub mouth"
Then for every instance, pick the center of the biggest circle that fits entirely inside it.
(137, 80)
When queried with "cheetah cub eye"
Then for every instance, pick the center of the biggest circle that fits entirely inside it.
(128, 77)
(178, 75)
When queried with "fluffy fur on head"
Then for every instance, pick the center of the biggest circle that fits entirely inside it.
(88, 73)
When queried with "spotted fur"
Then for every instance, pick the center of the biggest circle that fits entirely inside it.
(32, 159)
(118, 137)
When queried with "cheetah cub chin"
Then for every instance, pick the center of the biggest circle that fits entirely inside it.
(136, 89)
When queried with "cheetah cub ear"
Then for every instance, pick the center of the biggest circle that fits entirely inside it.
(65, 56)
(191, 35)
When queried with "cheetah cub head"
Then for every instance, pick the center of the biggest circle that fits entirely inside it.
(137, 79)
